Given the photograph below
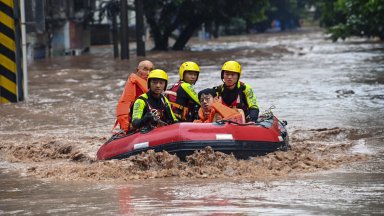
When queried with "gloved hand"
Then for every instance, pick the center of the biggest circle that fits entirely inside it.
(145, 120)
(253, 115)
(148, 118)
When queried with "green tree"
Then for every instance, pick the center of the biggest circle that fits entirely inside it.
(346, 18)
(363, 18)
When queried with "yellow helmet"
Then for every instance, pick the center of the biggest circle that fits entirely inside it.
(188, 66)
(158, 74)
(231, 66)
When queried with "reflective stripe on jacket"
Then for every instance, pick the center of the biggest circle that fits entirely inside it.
(145, 103)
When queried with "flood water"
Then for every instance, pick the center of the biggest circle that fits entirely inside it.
(331, 95)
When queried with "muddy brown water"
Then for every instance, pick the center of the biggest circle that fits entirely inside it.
(331, 94)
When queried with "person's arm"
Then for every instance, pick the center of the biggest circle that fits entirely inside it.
(188, 88)
(190, 92)
(138, 119)
(253, 105)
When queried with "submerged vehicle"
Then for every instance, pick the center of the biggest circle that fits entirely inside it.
(242, 140)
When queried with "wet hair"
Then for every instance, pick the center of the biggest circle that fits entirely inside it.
(207, 91)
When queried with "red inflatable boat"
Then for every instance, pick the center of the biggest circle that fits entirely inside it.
(182, 139)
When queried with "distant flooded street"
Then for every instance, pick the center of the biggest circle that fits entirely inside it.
(331, 95)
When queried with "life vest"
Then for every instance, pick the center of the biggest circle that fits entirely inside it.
(240, 101)
(225, 113)
(133, 85)
(182, 111)
(171, 93)
(203, 119)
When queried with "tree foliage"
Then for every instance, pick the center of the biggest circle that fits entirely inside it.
(345, 18)
(187, 16)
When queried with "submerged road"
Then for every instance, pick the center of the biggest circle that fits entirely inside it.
(331, 94)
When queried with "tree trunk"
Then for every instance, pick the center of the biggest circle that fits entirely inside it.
(160, 38)
(115, 37)
(161, 43)
(186, 34)
(216, 28)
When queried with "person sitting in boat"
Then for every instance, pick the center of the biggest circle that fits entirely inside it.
(135, 86)
(152, 109)
(236, 94)
(182, 94)
(212, 110)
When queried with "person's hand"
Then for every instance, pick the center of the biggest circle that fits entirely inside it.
(148, 117)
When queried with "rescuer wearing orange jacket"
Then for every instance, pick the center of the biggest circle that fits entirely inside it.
(135, 86)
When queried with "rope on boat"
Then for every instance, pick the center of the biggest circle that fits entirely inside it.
(268, 113)
(240, 124)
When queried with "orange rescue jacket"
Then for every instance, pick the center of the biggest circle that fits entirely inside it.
(225, 113)
(127, 99)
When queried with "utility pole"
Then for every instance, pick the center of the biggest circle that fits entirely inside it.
(140, 40)
(124, 29)
(114, 36)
